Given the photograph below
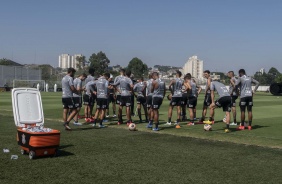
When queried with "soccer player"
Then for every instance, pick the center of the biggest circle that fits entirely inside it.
(175, 88)
(77, 98)
(199, 89)
(192, 96)
(223, 101)
(125, 89)
(111, 97)
(88, 100)
(67, 98)
(140, 88)
(102, 98)
(234, 95)
(132, 95)
(246, 97)
(90, 103)
(122, 73)
(149, 100)
(184, 102)
(158, 90)
(207, 100)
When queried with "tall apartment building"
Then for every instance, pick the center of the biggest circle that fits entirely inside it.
(64, 61)
(195, 67)
(74, 61)
(67, 61)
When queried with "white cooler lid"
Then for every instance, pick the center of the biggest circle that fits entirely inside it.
(27, 107)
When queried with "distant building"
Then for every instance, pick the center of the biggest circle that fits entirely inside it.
(194, 66)
(74, 61)
(64, 61)
(262, 71)
(67, 61)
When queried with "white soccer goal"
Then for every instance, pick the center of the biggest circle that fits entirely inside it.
(39, 84)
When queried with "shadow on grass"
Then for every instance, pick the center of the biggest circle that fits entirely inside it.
(258, 126)
(234, 129)
(65, 146)
(85, 128)
(63, 153)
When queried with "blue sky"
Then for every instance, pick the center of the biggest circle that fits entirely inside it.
(226, 34)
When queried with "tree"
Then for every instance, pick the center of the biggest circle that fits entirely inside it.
(100, 62)
(9, 62)
(137, 67)
(272, 74)
(278, 78)
(273, 71)
(81, 62)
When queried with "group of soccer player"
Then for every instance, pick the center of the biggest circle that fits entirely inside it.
(150, 94)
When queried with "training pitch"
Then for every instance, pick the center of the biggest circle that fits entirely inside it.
(117, 155)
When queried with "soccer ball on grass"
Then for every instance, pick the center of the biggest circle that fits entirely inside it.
(132, 127)
(207, 127)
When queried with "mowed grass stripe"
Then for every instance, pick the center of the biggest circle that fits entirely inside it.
(265, 133)
(115, 155)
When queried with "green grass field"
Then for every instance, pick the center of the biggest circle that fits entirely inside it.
(116, 155)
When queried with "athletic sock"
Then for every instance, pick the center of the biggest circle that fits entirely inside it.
(169, 119)
(101, 122)
(250, 123)
(140, 117)
(242, 123)
(235, 121)
(114, 112)
(211, 119)
(94, 122)
(227, 126)
(202, 119)
(183, 112)
(157, 125)
(178, 120)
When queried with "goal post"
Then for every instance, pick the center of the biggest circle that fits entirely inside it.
(30, 84)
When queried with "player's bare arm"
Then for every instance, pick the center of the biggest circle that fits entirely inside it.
(170, 86)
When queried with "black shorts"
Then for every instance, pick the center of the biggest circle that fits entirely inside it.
(94, 97)
(192, 102)
(77, 101)
(149, 101)
(157, 102)
(233, 101)
(184, 99)
(175, 101)
(118, 99)
(141, 100)
(88, 100)
(102, 103)
(246, 102)
(111, 98)
(125, 101)
(224, 102)
(207, 100)
(68, 103)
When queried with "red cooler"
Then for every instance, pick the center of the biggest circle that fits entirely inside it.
(33, 138)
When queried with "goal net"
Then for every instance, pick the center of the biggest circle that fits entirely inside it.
(39, 84)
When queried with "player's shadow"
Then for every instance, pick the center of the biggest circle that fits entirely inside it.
(254, 127)
(86, 128)
(258, 126)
